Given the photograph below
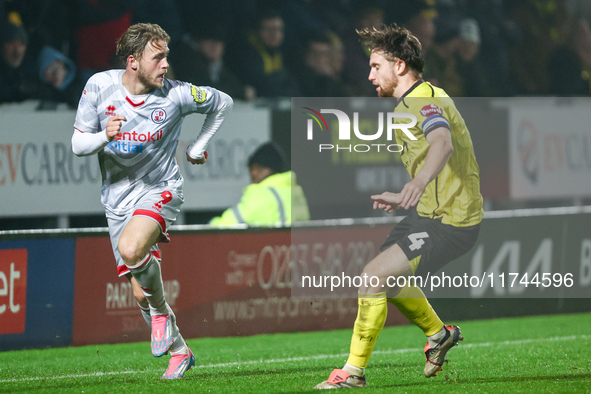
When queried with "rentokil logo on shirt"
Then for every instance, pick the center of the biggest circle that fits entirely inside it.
(134, 142)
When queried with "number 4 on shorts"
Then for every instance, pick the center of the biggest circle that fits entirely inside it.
(417, 240)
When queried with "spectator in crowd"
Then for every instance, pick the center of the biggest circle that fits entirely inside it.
(319, 76)
(301, 19)
(164, 13)
(441, 62)
(262, 63)
(201, 62)
(59, 78)
(570, 65)
(421, 22)
(578, 9)
(13, 41)
(334, 15)
(544, 26)
(47, 22)
(498, 32)
(356, 67)
(46, 74)
(337, 59)
(518, 40)
(272, 197)
(453, 62)
(469, 67)
(229, 16)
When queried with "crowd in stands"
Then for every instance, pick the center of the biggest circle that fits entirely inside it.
(285, 48)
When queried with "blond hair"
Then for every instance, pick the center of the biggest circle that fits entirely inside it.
(134, 40)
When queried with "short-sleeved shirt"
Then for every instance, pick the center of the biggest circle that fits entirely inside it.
(453, 197)
(143, 155)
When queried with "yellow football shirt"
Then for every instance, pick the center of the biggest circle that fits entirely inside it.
(454, 195)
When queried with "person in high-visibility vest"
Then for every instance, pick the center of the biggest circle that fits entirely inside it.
(273, 196)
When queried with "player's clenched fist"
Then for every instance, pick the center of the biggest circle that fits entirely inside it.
(114, 126)
(198, 161)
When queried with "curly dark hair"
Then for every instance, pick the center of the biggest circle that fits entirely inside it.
(395, 43)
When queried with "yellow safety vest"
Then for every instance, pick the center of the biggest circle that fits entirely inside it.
(276, 199)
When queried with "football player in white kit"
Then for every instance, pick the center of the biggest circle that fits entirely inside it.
(132, 118)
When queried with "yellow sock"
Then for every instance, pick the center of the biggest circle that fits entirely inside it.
(371, 317)
(413, 304)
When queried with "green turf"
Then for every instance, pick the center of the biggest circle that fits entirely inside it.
(548, 354)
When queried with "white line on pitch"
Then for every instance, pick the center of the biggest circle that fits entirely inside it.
(305, 358)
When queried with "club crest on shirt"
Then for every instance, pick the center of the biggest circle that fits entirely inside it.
(431, 109)
(158, 115)
(199, 94)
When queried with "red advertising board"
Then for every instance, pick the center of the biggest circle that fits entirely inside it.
(219, 284)
(13, 290)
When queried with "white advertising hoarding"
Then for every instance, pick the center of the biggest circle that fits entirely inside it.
(39, 174)
(549, 148)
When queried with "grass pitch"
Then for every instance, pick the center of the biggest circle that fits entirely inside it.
(548, 354)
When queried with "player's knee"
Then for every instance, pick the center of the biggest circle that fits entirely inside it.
(371, 282)
(376, 280)
(129, 251)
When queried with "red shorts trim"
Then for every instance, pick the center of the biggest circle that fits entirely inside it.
(153, 215)
(122, 270)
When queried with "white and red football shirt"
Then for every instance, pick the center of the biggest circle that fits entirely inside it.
(143, 155)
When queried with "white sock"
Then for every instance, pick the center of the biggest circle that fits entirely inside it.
(435, 338)
(178, 346)
(351, 370)
(149, 278)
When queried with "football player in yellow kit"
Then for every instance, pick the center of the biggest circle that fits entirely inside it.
(443, 199)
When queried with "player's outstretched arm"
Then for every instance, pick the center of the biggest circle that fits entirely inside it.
(213, 121)
(440, 150)
(84, 144)
(386, 201)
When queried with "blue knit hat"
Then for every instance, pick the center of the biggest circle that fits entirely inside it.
(47, 56)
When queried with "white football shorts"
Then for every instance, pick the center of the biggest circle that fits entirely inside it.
(161, 203)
